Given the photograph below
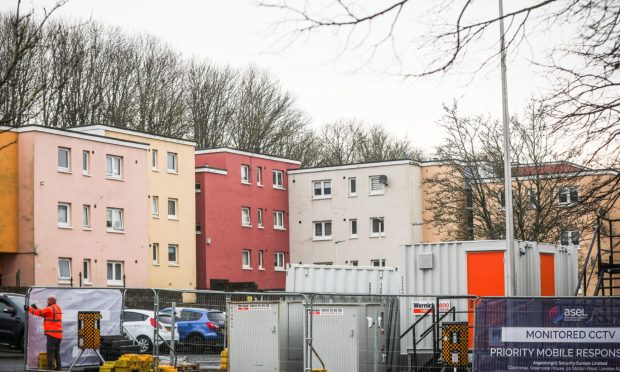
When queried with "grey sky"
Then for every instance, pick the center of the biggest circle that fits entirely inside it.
(328, 87)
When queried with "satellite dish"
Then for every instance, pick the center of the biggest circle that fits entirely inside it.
(383, 179)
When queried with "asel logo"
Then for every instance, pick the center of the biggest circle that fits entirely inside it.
(574, 312)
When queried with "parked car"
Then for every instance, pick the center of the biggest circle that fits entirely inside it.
(198, 328)
(12, 319)
(140, 325)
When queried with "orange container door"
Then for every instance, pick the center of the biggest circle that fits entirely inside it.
(485, 277)
(547, 274)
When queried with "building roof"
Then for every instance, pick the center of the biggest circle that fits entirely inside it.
(385, 163)
(133, 132)
(247, 153)
(80, 135)
(207, 169)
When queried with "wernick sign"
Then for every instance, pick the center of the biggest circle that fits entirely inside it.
(547, 334)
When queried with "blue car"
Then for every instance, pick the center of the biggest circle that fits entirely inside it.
(198, 328)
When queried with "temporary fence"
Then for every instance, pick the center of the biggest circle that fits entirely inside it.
(283, 331)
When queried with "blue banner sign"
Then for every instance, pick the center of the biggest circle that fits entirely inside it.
(547, 334)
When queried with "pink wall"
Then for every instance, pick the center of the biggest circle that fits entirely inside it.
(218, 211)
(42, 186)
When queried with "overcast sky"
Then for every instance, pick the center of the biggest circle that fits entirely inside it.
(327, 86)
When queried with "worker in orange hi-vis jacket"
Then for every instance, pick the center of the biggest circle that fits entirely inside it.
(52, 328)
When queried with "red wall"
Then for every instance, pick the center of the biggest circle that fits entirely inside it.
(218, 211)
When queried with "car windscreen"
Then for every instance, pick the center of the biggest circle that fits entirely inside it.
(216, 316)
(20, 301)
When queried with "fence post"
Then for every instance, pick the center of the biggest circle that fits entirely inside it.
(80, 276)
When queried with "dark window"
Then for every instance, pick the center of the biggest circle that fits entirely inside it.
(216, 316)
(130, 316)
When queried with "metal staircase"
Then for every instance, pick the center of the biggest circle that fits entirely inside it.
(602, 259)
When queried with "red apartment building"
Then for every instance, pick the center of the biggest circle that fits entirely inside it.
(241, 219)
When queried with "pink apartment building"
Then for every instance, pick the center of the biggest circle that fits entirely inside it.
(81, 210)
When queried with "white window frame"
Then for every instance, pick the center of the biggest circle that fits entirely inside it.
(322, 189)
(116, 224)
(349, 180)
(278, 215)
(110, 166)
(372, 262)
(259, 176)
(86, 163)
(64, 278)
(155, 253)
(570, 238)
(86, 271)
(155, 160)
(354, 263)
(374, 234)
(176, 255)
(175, 202)
(259, 218)
(155, 205)
(567, 190)
(60, 168)
(245, 174)
(277, 175)
(246, 253)
(197, 187)
(278, 261)
(175, 162)
(370, 189)
(245, 212)
(86, 223)
(323, 235)
(66, 224)
(353, 221)
(114, 280)
(261, 260)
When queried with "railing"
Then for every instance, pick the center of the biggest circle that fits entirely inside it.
(582, 275)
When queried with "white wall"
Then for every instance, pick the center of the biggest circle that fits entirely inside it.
(400, 205)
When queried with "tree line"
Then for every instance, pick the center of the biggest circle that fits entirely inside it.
(65, 74)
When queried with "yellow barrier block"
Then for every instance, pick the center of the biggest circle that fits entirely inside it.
(319, 370)
(42, 362)
(224, 352)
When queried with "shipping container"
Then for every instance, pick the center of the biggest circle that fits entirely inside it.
(342, 279)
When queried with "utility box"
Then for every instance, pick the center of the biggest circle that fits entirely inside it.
(265, 336)
(348, 337)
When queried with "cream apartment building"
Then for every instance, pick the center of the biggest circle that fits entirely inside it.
(354, 214)
(171, 206)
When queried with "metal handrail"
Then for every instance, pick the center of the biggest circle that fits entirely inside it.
(416, 322)
(432, 326)
(583, 273)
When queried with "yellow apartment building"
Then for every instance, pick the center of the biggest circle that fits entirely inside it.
(8, 199)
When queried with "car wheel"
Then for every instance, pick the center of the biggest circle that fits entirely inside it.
(195, 342)
(145, 344)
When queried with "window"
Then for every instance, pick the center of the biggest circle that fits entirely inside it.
(245, 216)
(155, 205)
(278, 220)
(173, 166)
(114, 165)
(354, 263)
(501, 199)
(259, 176)
(376, 186)
(115, 272)
(114, 219)
(64, 215)
(64, 269)
(323, 230)
(322, 189)
(173, 254)
(86, 216)
(130, 316)
(568, 195)
(245, 259)
(155, 248)
(197, 187)
(198, 229)
(64, 159)
(260, 217)
(173, 210)
(570, 237)
(245, 173)
(261, 264)
(279, 261)
(353, 228)
(278, 179)
(86, 271)
(352, 186)
(86, 163)
(376, 262)
(377, 227)
(532, 196)
(154, 161)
